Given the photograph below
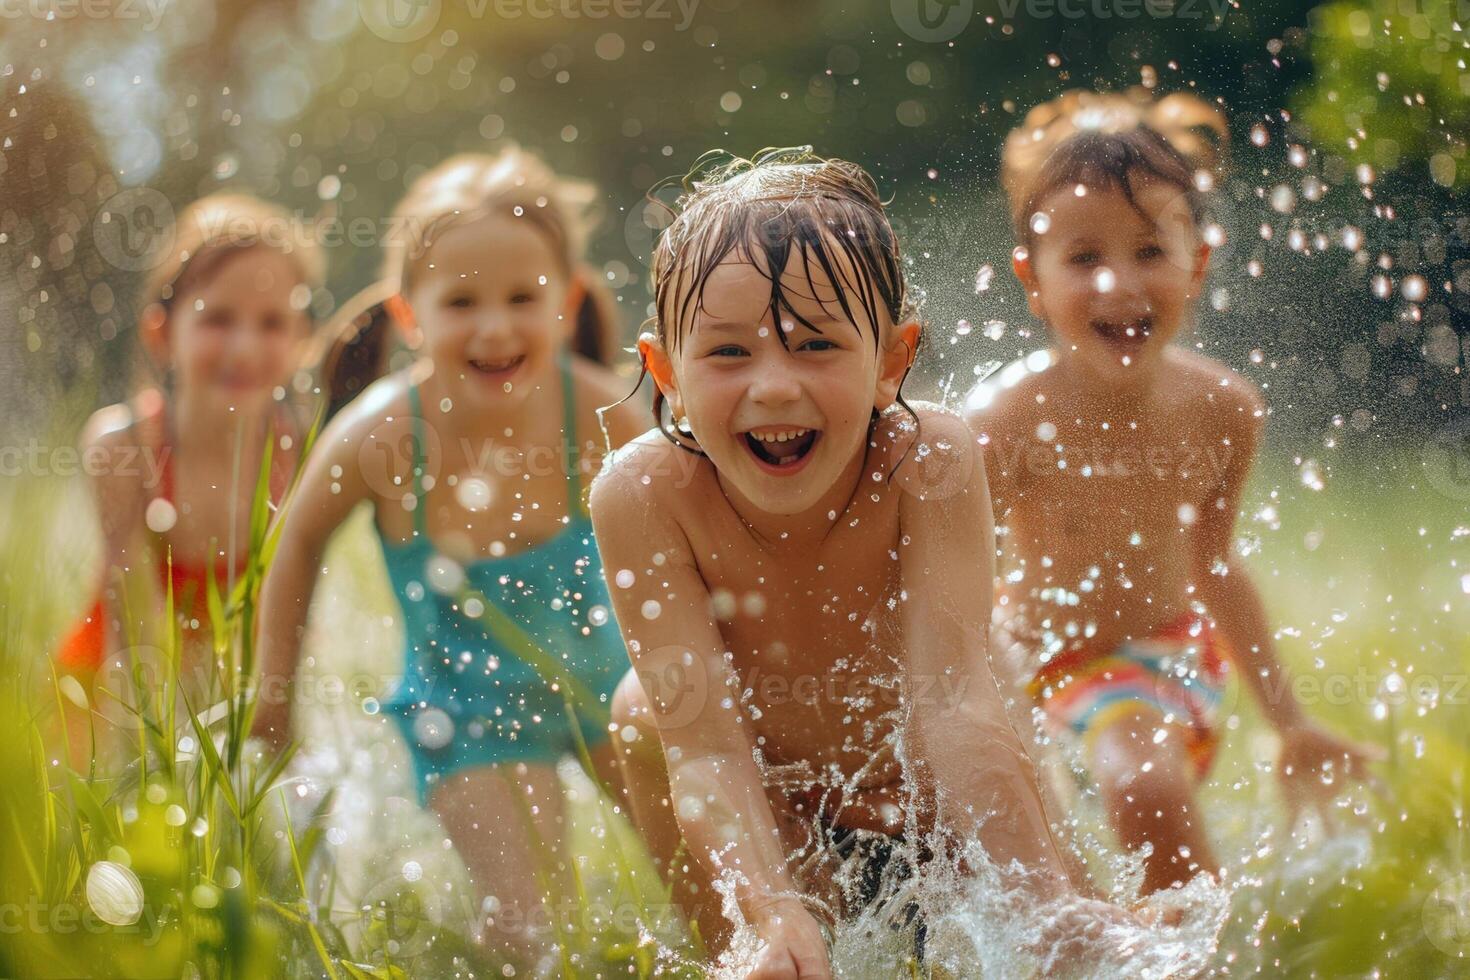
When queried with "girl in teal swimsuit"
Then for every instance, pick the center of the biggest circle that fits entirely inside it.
(475, 457)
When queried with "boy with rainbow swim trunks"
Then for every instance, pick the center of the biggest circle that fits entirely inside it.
(1117, 463)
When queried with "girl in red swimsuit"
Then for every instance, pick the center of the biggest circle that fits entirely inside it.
(174, 469)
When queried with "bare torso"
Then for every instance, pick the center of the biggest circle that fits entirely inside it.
(1101, 500)
(810, 626)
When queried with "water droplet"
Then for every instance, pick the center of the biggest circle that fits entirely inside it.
(160, 516)
(473, 493)
(114, 893)
(433, 728)
(1040, 222)
(625, 578)
(651, 609)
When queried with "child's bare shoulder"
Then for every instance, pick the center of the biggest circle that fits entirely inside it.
(1217, 391)
(111, 443)
(1010, 397)
(382, 410)
(648, 470)
(367, 446)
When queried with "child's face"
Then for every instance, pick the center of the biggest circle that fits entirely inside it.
(782, 422)
(1114, 285)
(236, 336)
(490, 298)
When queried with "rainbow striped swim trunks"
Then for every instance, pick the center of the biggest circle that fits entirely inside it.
(1179, 671)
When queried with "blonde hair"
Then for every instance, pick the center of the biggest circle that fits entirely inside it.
(1100, 137)
(464, 188)
(217, 227)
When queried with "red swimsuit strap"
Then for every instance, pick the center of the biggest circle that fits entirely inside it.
(155, 407)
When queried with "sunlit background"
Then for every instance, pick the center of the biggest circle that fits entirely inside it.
(1341, 285)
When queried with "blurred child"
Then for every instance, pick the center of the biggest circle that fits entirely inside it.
(473, 459)
(1117, 463)
(224, 320)
(789, 541)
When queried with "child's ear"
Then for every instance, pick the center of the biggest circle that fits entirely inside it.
(655, 358)
(576, 296)
(153, 327)
(1021, 263)
(1201, 266)
(403, 318)
(895, 363)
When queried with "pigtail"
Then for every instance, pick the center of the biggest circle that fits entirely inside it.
(352, 351)
(598, 321)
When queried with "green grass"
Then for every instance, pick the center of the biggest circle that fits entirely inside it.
(1362, 575)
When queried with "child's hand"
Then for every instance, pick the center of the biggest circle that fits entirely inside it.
(1314, 762)
(795, 948)
(1085, 931)
(272, 724)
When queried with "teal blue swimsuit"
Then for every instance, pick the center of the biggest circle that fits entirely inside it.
(498, 648)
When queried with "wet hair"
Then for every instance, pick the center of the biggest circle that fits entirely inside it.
(465, 188)
(215, 230)
(784, 201)
(1110, 140)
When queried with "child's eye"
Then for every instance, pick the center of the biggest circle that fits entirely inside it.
(273, 322)
(820, 344)
(1084, 258)
(729, 350)
(460, 302)
(522, 298)
(1150, 252)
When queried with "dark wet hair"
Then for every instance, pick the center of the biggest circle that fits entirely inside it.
(783, 201)
(1109, 140)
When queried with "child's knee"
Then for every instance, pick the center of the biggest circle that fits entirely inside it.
(1131, 768)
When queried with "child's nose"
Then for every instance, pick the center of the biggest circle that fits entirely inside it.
(775, 384)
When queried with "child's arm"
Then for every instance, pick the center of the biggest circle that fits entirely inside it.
(718, 796)
(330, 486)
(965, 752)
(1226, 589)
(121, 495)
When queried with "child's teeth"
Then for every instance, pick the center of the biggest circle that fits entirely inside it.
(781, 436)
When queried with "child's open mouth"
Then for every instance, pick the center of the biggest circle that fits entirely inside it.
(497, 370)
(1129, 334)
(781, 450)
